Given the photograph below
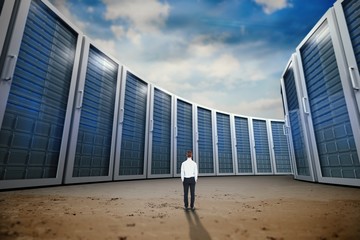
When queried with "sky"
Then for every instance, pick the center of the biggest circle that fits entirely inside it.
(226, 55)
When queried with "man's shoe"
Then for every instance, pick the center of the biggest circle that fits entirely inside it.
(186, 208)
(193, 209)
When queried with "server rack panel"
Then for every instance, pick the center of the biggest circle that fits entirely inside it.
(160, 162)
(224, 145)
(294, 123)
(92, 140)
(205, 141)
(263, 158)
(348, 19)
(37, 96)
(280, 148)
(244, 155)
(132, 147)
(334, 127)
(184, 133)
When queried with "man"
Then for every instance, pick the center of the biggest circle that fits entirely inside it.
(189, 176)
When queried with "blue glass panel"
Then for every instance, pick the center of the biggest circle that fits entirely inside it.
(205, 143)
(185, 131)
(161, 142)
(224, 143)
(97, 115)
(134, 126)
(35, 113)
(352, 15)
(298, 140)
(281, 149)
(334, 137)
(243, 145)
(261, 146)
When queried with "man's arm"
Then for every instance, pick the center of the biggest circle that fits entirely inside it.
(196, 172)
(182, 172)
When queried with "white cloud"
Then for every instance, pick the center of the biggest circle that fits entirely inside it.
(134, 37)
(198, 48)
(118, 30)
(62, 6)
(144, 16)
(268, 107)
(270, 6)
(223, 67)
(171, 76)
(141, 17)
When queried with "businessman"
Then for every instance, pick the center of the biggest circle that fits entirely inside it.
(189, 176)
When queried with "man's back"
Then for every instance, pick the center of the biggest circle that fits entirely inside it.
(189, 169)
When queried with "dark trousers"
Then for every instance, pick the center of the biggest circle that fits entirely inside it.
(189, 183)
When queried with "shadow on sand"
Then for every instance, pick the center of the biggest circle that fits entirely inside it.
(197, 230)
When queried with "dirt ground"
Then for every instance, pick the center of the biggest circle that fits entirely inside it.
(238, 207)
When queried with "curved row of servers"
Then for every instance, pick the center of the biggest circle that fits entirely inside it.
(321, 96)
(70, 113)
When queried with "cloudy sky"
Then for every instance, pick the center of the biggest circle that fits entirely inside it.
(228, 55)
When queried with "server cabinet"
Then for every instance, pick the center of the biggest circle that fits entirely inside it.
(348, 18)
(92, 140)
(298, 136)
(132, 148)
(205, 152)
(244, 155)
(37, 91)
(261, 147)
(280, 148)
(224, 146)
(160, 162)
(332, 117)
(184, 133)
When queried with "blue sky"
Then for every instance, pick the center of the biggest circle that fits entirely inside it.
(228, 55)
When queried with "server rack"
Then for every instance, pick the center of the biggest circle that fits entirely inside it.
(92, 140)
(224, 157)
(244, 156)
(261, 139)
(297, 131)
(38, 80)
(347, 16)
(133, 128)
(279, 148)
(332, 114)
(40, 114)
(205, 151)
(348, 19)
(184, 138)
(161, 134)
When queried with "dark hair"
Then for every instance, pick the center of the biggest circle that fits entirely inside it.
(189, 153)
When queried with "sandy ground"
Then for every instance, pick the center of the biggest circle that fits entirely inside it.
(238, 207)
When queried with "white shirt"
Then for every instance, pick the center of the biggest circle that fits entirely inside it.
(189, 169)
